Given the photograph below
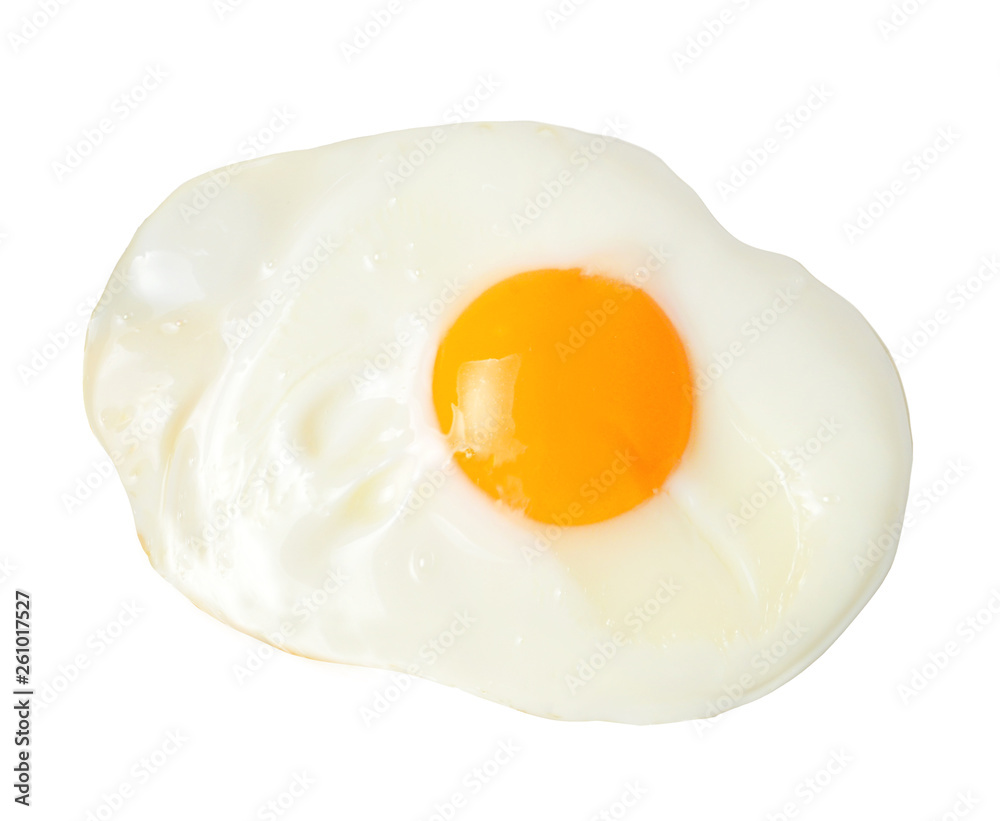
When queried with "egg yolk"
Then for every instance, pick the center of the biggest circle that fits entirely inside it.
(564, 395)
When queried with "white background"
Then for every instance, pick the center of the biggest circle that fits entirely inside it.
(113, 686)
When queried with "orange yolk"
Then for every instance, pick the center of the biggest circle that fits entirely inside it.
(565, 396)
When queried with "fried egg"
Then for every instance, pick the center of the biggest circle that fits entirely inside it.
(503, 406)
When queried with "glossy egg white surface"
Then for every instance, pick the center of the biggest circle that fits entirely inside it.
(259, 370)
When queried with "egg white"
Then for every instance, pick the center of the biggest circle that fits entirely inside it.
(259, 370)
